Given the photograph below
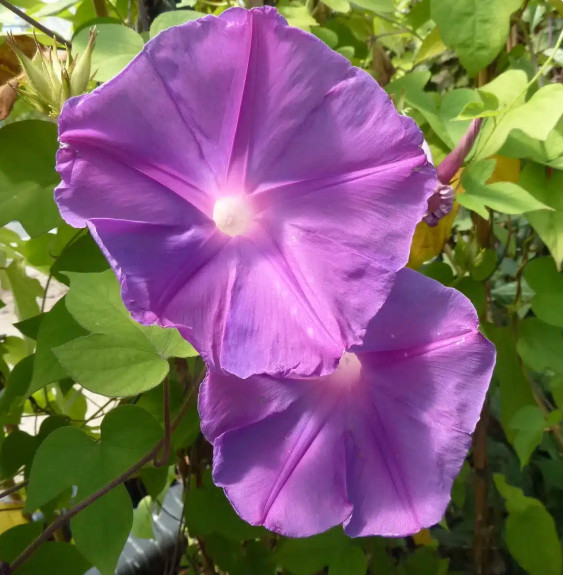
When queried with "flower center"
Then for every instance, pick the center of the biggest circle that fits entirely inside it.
(348, 370)
(232, 215)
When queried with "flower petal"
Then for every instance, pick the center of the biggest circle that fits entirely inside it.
(419, 311)
(99, 186)
(156, 118)
(164, 256)
(222, 403)
(347, 241)
(421, 399)
(286, 471)
(264, 306)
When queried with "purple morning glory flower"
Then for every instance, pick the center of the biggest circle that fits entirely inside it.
(377, 444)
(248, 186)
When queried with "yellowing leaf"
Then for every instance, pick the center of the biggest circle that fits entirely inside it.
(428, 242)
(506, 170)
(11, 515)
(423, 537)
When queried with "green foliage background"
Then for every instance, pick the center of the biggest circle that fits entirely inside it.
(444, 62)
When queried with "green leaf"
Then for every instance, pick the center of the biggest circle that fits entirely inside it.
(25, 290)
(484, 265)
(475, 29)
(381, 6)
(208, 511)
(16, 451)
(28, 176)
(56, 328)
(69, 457)
(297, 14)
(515, 391)
(556, 387)
(101, 530)
(95, 302)
(82, 255)
(548, 152)
(310, 555)
(113, 365)
(173, 18)
(529, 424)
(338, 5)
(547, 303)
(142, 519)
(536, 118)
(116, 45)
(120, 357)
(453, 102)
(329, 37)
(548, 189)
(504, 197)
(425, 561)
(540, 345)
(12, 396)
(530, 532)
(349, 561)
(431, 46)
(411, 88)
(50, 559)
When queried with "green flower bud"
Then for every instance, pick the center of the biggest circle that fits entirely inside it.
(80, 73)
(35, 73)
(51, 80)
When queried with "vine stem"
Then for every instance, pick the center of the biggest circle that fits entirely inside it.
(163, 459)
(100, 8)
(62, 519)
(13, 489)
(35, 23)
(481, 489)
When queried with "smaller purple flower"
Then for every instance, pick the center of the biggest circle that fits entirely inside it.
(374, 446)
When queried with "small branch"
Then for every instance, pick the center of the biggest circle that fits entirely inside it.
(62, 519)
(45, 292)
(35, 23)
(481, 489)
(163, 459)
(13, 489)
(100, 8)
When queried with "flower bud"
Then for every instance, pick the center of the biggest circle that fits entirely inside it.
(38, 85)
(454, 160)
(81, 68)
(51, 78)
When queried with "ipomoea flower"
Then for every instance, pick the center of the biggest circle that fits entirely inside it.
(374, 446)
(248, 186)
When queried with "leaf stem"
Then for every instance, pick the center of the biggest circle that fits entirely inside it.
(35, 23)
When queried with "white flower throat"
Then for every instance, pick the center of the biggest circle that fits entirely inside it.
(232, 215)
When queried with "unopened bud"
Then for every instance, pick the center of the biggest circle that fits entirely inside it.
(454, 160)
(51, 78)
(35, 74)
(80, 72)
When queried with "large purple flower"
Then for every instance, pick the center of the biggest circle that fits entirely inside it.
(250, 187)
(374, 446)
